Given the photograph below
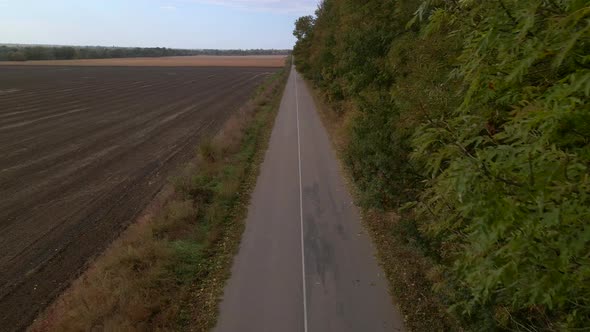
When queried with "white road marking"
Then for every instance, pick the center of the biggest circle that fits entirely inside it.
(301, 209)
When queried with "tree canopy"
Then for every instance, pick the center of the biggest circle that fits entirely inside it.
(471, 119)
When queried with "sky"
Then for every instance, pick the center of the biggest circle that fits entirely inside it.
(219, 24)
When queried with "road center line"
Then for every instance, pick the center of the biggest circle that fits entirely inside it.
(301, 209)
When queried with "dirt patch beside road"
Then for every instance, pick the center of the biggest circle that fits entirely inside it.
(82, 152)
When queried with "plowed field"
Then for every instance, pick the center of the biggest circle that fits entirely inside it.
(172, 61)
(82, 151)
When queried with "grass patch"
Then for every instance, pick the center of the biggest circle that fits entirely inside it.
(404, 256)
(167, 271)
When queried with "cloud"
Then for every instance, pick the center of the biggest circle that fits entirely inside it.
(280, 6)
(168, 7)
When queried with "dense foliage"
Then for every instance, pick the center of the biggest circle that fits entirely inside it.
(473, 116)
(24, 53)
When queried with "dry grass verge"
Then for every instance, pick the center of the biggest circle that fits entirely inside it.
(167, 271)
(410, 274)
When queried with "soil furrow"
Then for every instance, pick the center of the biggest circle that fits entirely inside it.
(71, 181)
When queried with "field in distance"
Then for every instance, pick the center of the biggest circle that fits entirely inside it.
(276, 61)
(83, 150)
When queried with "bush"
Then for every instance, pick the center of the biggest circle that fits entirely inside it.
(510, 165)
(474, 117)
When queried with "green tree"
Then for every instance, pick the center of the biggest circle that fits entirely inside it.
(475, 116)
(303, 27)
(303, 31)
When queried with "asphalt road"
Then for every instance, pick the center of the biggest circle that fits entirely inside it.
(305, 262)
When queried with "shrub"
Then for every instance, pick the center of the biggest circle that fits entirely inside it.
(474, 117)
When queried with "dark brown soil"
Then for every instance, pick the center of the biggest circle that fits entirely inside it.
(171, 61)
(82, 151)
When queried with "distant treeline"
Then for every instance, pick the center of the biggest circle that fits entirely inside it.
(24, 53)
